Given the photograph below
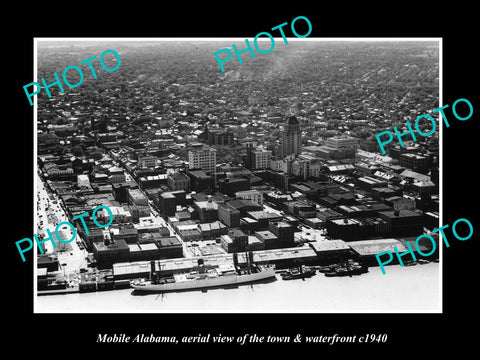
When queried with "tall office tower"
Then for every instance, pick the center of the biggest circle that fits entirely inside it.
(291, 137)
(204, 158)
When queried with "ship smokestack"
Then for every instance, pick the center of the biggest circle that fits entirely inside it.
(152, 271)
(201, 267)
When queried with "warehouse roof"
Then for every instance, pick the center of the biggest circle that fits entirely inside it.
(329, 245)
(373, 247)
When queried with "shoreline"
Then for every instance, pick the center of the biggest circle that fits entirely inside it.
(404, 289)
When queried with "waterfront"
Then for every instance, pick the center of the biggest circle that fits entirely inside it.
(401, 289)
(242, 160)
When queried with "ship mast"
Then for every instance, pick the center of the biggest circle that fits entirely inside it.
(235, 263)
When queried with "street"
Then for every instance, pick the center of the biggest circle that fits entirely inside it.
(49, 214)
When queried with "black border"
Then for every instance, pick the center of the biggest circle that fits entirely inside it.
(408, 334)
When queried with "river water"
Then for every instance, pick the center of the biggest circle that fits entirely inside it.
(402, 289)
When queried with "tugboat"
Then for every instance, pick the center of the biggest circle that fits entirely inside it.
(328, 268)
(423, 261)
(348, 268)
(301, 272)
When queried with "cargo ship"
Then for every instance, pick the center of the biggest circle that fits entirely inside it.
(204, 277)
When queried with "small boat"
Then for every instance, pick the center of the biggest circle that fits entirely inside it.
(327, 268)
(349, 264)
(338, 271)
(298, 273)
(350, 268)
(423, 261)
(409, 263)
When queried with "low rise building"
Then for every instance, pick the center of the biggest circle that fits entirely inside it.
(136, 197)
(207, 210)
(255, 244)
(369, 183)
(124, 232)
(284, 233)
(404, 222)
(143, 252)
(269, 240)
(178, 181)
(170, 248)
(253, 195)
(167, 204)
(331, 250)
(230, 186)
(106, 255)
(263, 218)
(212, 230)
(229, 215)
(249, 225)
(415, 162)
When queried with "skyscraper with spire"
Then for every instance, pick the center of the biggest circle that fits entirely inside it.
(291, 137)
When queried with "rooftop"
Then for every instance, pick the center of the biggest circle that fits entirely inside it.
(345, 221)
(373, 247)
(263, 215)
(282, 224)
(292, 120)
(178, 176)
(329, 245)
(207, 205)
(168, 241)
(266, 234)
(119, 244)
(400, 213)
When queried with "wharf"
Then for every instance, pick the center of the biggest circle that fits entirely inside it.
(312, 254)
(71, 290)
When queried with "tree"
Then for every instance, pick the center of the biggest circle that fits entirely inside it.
(58, 149)
(77, 151)
(225, 154)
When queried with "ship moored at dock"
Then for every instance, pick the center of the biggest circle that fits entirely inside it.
(205, 277)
